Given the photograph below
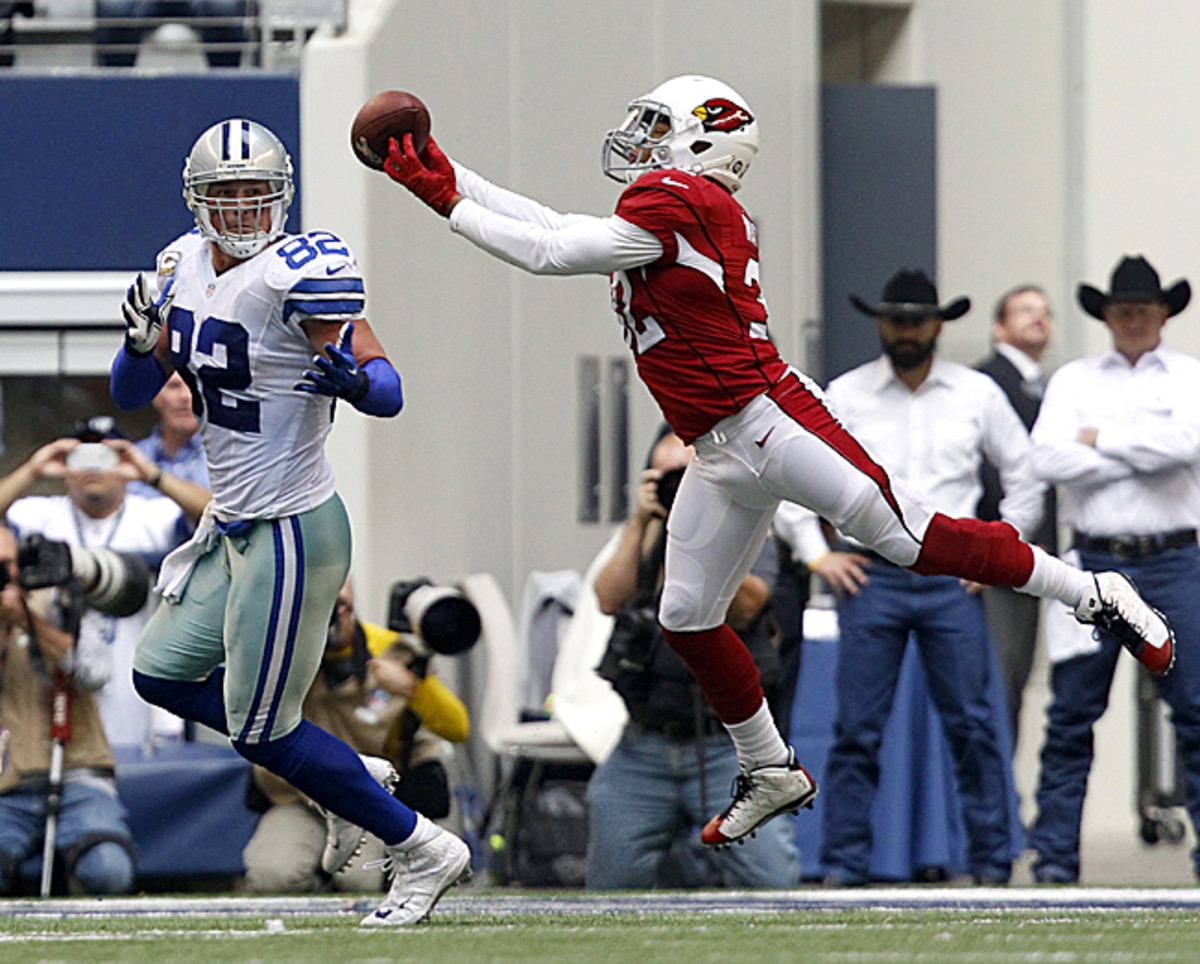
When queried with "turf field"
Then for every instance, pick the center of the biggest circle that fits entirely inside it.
(959, 925)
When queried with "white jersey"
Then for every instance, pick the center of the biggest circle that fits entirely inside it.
(238, 341)
(146, 527)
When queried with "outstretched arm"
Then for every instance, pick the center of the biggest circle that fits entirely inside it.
(517, 229)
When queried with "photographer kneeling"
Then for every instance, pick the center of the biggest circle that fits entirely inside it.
(675, 762)
(56, 768)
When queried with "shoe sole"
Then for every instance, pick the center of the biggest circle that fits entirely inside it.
(803, 802)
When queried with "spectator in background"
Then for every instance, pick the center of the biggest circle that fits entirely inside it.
(372, 692)
(1021, 329)
(92, 834)
(174, 445)
(214, 20)
(1119, 434)
(656, 788)
(96, 462)
(930, 422)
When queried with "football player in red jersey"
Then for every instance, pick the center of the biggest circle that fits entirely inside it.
(682, 255)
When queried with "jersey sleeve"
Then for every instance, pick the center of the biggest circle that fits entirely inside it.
(319, 279)
(659, 205)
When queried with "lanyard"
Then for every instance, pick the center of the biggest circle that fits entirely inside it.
(111, 532)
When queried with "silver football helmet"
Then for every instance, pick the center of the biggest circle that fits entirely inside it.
(690, 123)
(238, 150)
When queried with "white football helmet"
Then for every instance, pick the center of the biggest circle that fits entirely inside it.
(238, 150)
(690, 123)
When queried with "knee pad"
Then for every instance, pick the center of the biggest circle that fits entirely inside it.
(677, 610)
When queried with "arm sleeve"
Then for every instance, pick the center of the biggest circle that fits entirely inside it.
(510, 203)
(384, 396)
(440, 710)
(135, 379)
(582, 245)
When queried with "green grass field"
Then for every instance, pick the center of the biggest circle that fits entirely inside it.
(721, 935)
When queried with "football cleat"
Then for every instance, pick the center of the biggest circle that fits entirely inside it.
(343, 839)
(420, 875)
(759, 795)
(1115, 606)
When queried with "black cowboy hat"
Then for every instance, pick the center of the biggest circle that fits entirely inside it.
(910, 294)
(1134, 279)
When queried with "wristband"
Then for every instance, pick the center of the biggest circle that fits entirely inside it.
(156, 482)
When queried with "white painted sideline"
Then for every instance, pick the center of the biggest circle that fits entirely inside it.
(733, 902)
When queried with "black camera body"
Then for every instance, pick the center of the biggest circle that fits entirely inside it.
(668, 485)
(116, 583)
(628, 658)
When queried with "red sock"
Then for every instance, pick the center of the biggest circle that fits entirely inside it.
(988, 552)
(723, 667)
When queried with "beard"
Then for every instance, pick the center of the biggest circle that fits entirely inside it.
(907, 355)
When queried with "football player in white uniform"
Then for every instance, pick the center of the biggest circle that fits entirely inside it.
(239, 310)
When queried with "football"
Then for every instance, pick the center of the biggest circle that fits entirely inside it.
(393, 113)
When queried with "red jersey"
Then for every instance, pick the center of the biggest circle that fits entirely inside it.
(695, 318)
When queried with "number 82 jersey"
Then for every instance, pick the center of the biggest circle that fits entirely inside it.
(238, 340)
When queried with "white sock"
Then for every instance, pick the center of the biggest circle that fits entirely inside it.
(758, 741)
(1054, 579)
(423, 832)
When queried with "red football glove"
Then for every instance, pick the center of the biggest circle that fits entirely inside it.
(436, 184)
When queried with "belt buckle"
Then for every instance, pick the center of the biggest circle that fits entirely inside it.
(1124, 546)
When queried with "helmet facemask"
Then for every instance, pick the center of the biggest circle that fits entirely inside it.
(689, 123)
(228, 153)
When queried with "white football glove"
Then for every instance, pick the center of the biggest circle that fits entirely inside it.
(145, 313)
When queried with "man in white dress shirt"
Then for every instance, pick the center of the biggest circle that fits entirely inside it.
(1119, 434)
(930, 422)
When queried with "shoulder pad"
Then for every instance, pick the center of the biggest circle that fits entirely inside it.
(318, 272)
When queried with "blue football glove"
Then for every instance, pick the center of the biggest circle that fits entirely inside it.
(338, 375)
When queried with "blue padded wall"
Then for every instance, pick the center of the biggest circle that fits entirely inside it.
(90, 165)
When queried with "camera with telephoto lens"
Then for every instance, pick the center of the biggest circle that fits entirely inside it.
(116, 583)
(441, 618)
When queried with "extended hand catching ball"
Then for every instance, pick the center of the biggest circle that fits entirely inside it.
(393, 113)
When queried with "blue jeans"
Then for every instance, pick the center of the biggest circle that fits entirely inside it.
(951, 635)
(648, 792)
(1169, 581)
(92, 835)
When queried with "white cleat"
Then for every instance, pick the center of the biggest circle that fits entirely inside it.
(420, 875)
(1115, 606)
(343, 839)
(759, 795)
